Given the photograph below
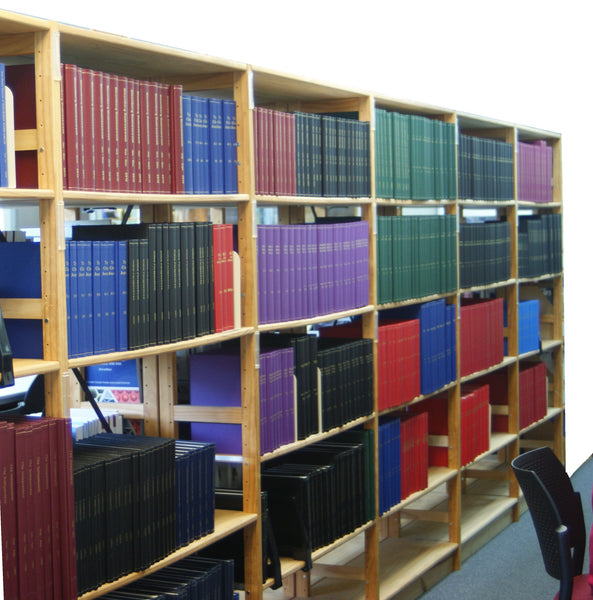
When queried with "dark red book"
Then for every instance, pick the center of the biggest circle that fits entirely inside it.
(176, 139)
(21, 80)
(8, 505)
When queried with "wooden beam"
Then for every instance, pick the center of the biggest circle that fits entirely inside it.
(25, 139)
(22, 308)
(17, 44)
(216, 81)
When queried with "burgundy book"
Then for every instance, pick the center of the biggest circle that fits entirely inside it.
(8, 507)
(176, 185)
(71, 125)
(21, 80)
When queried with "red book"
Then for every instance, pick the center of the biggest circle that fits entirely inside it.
(222, 254)
(71, 126)
(540, 390)
(21, 80)
(291, 155)
(176, 185)
(8, 504)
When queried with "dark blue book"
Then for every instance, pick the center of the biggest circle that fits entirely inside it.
(216, 146)
(85, 297)
(97, 299)
(201, 143)
(20, 277)
(229, 113)
(122, 295)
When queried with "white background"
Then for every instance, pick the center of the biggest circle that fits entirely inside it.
(527, 62)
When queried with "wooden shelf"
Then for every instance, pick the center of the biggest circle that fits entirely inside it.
(23, 367)
(315, 320)
(78, 199)
(310, 201)
(507, 361)
(225, 523)
(206, 340)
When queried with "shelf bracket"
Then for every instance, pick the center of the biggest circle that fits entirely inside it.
(89, 396)
(6, 370)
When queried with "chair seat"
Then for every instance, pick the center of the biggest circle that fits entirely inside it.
(581, 590)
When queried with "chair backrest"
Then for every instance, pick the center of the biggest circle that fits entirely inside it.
(556, 511)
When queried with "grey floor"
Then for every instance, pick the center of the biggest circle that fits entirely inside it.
(510, 566)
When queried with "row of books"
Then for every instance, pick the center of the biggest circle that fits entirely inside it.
(124, 489)
(304, 347)
(474, 425)
(415, 157)
(403, 458)
(120, 134)
(398, 358)
(438, 355)
(194, 491)
(191, 578)
(534, 171)
(540, 245)
(484, 253)
(334, 386)
(300, 154)
(398, 362)
(481, 330)
(416, 256)
(317, 495)
(311, 269)
(533, 395)
(485, 169)
(209, 145)
(161, 283)
(215, 380)
(37, 506)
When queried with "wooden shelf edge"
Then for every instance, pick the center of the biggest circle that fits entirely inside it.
(316, 437)
(506, 361)
(226, 522)
(552, 413)
(436, 477)
(77, 198)
(313, 320)
(310, 201)
(24, 194)
(24, 367)
(205, 340)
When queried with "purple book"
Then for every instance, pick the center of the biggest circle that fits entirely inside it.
(311, 272)
(264, 403)
(362, 263)
(288, 395)
(274, 275)
(295, 296)
(284, 232)
(262, 262)
(215, 380)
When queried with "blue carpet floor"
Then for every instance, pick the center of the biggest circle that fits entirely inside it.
(510, 566)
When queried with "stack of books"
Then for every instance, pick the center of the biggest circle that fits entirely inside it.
(414, 157)
(311, 269)
(485, 171)
(416, 257)
(481, 334)
(300, 154)
(534, 171)
(484, 253)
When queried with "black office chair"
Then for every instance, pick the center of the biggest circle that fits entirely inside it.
(557, 515)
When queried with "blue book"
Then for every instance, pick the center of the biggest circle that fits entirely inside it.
(20, 277)
(201, 143)
(97, 299)
(3, 124)
(229, 114)
(108, 293)
(188, 151)
(216, 146)
(122, 295)
(84, 254)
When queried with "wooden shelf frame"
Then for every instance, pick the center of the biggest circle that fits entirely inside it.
(46, 43)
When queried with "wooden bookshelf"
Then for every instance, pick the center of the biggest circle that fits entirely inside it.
(426, 535)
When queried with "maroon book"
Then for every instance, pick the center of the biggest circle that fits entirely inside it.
(8, 504)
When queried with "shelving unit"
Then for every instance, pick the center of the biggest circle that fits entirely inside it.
(415, 542)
